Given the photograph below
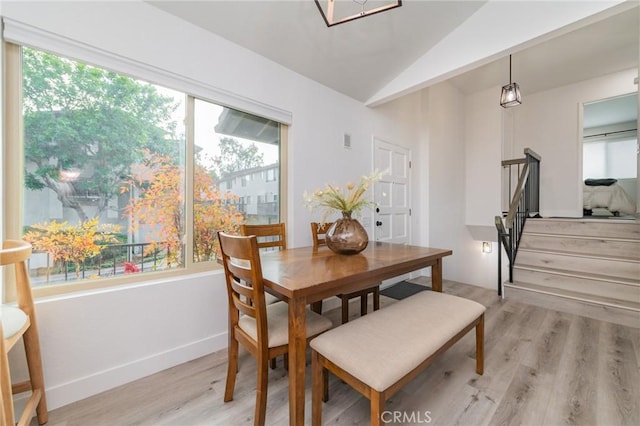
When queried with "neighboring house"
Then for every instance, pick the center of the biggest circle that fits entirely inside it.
(257, 190)
(457, 140)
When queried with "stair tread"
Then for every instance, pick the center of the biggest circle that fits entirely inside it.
(580, 236)
(578, 274)
(627, 304)
(587, 255)
(610, 229)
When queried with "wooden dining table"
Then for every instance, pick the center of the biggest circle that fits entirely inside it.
(302, 276)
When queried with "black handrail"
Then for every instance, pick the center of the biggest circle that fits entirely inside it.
(525, 202)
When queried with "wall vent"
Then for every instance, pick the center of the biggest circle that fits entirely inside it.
(347, 141)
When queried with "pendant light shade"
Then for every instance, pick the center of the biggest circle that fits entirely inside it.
(510, 93)
(336, 12)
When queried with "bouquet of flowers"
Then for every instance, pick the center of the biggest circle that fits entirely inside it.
(349, 200)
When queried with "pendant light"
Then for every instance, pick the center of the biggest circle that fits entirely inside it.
(510, 93)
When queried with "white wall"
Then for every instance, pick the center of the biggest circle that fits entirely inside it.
(464, 142)
(94, 341)
(483, 145)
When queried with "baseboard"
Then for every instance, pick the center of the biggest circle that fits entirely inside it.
(83, 387)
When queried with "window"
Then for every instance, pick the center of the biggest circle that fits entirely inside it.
(230, 145)
(614, 158)
(113, 183)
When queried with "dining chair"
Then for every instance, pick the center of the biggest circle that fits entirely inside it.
(20, 322)
(318, 232)
(260, 328)
(272, 235)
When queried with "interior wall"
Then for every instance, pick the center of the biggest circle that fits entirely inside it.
(549, 122)
(93, 341)
(483, 144)
(446, 175)
(458, 128)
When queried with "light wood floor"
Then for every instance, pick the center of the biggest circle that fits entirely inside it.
(543, 366)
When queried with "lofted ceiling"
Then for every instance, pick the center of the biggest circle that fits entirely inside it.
(360, 57)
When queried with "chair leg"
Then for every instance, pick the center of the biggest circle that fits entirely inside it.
(325, 385)
(480, 346)
(232, 369)
(317, 307)
(377, 407)
(7, 416)
(363, 304)
(272, 363)
(261, 391)
(34, 364)
(345, 309)
(376, 298)
(317, 389)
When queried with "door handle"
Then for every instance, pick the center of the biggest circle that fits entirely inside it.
(378, 223)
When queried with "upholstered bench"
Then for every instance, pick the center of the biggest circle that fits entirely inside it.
(379, 353)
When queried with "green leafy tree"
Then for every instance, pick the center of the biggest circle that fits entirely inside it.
(235, 157)
(84, 127)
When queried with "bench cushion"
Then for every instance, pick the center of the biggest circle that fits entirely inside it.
(382, 347)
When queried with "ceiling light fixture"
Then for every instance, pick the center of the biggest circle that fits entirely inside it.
(510, 93)
(336, 12)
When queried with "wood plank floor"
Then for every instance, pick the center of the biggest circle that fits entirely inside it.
(544, 365)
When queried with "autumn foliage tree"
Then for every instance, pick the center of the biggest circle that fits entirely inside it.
(72, 243)
(159, 204)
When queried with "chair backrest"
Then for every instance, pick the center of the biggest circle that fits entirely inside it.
(269, 235)
(318, 230)
(17, 252)
(245, 286)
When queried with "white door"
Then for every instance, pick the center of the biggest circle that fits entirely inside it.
(392, 216)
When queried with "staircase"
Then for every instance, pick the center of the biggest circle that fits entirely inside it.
(592, 260)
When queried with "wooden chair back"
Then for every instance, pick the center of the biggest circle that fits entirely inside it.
(318, 230)
(245, 286)
(272, 235)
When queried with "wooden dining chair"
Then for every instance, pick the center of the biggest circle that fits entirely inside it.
(20, 322)
(260, 328)
(272, 235)
(318, 232)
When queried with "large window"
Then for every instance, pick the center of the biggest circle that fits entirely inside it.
(118, 179)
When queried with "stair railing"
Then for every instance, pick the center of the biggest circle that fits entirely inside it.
(525, 202)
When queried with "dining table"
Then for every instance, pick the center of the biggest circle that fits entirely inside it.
(307, 275)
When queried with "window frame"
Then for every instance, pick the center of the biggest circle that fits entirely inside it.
(13, 165)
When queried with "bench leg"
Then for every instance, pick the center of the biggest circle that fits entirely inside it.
(480, 346)
(377, 407)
